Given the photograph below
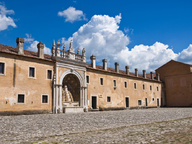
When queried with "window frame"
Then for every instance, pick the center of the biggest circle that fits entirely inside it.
(42, 98)
(114, 83)
(51, 74)
(87, 76)
(34, 72)
(101, 81)
(18, 98)
(157, 88)
(4, 68)
(143, 86)
(125, 84)
(108, 99)
(139, 101)
(135, 85)
(150, 88)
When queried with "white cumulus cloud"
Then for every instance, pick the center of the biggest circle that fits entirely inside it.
(102, 37)
(186, 55)
(32, 44)
(5, 20)
(71, 15)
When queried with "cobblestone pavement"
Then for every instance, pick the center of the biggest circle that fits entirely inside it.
(162, 125)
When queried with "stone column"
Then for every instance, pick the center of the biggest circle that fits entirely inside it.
(56, 99)
(60, 100)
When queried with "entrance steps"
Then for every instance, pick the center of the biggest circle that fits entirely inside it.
(73, 110)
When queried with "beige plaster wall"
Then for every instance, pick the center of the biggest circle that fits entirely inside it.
(33, 88)
(178, 83)
(119, 94)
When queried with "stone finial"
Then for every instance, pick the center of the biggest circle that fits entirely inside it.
(71, 49)
(116, 67)
(136, 72)
(58, 49)
(127, 70)
(83, 55)
(93, 62)
(40, 47)
(104, 64)
(144, 73)
(78, 51)
(64, 47)
(151, 74)
(53, 48)
(20, 45)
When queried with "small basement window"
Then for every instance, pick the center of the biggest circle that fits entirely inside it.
(87, 79)
(125, 84)
(135, 85)
(2, 68)
(44, 98)
(139, 102)
(21, 98)
(101, 81)
(49, 74)
(108, 99)
(31, 72)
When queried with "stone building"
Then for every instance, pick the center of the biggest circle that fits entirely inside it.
(177, 78)
(33, 82)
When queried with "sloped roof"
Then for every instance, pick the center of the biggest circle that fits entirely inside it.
(14, 50)
(121, 72)
(174, 62)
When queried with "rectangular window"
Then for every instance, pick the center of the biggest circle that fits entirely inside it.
(101, 81)
(135, 85)
(87, 78)
(150, 87)
(114, 83)
(139, 102)
(44, 98)
(21, 98)
(108, 99)
(157, 88)
(2, 68)
(125, 84)
(49, 74)
(31, 72)
(143, 86)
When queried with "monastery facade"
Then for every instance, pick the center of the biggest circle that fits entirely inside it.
(33, 82)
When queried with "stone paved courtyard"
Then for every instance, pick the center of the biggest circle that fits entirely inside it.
(161, 125)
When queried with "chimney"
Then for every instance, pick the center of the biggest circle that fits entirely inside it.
(144, 73)
(20, 45)
(104, 64)
(151, 73)
(136, 72)
(117, 67)
(127, 70)
(93, 63)
(158, 76)
(40, 47)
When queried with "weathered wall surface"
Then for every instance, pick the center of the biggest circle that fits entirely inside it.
(32, 88)
(118, 95)
(178, 83)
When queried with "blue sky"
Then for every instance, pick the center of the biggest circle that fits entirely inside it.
(153, 31)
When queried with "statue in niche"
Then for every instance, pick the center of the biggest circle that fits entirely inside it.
(67, 96)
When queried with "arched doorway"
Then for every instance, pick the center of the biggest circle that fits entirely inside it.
(73, 84)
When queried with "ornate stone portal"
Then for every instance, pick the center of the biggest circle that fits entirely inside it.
(70, 71)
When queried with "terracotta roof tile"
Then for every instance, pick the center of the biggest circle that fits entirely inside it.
(13, 50)
(111, 70)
